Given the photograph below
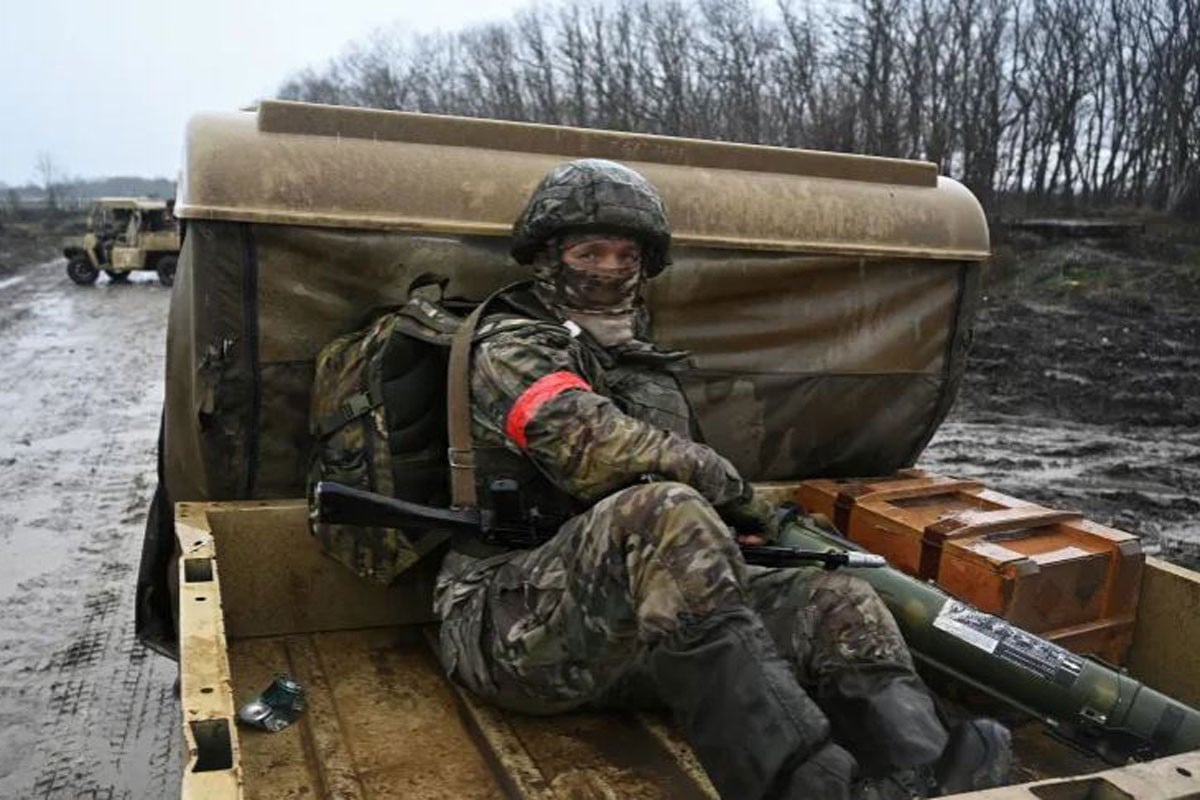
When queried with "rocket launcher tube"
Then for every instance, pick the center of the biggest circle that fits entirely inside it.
(1082, 701)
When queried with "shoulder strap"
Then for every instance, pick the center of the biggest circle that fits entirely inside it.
(461, 453)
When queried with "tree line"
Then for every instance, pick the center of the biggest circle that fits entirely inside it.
(1075, 105)
(54, 191)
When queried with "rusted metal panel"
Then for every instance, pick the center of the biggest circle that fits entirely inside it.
(349, 168)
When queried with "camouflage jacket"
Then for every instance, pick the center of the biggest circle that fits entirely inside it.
(589, 420)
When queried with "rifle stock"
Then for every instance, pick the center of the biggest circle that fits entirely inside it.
(338, 504)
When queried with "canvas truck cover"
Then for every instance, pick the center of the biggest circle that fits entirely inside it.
(827, 299)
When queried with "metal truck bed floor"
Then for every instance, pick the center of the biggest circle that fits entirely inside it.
(382, 722)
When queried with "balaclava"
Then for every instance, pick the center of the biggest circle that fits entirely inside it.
(605, 303)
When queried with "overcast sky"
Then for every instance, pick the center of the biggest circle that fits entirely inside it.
(106, 86)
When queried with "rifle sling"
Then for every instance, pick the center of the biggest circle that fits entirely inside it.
(461, 453)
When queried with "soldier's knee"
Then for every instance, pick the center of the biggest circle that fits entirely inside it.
(844, 584)
(661, 494)
(681, 559)
(639, 507)
(848, 600)
(660, 511)
(666, 504)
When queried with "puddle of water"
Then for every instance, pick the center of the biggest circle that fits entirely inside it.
(39, 551)
(54, 308)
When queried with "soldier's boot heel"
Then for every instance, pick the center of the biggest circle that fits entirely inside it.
(827, 774)
(978, 756)
(752, 727)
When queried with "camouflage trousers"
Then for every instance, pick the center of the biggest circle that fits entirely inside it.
(569, 624)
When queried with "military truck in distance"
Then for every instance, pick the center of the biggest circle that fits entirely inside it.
(126, 234)
(827, 301)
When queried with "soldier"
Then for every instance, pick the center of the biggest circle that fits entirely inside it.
(787, 683)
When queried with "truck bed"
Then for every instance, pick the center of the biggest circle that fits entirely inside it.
(382, 721)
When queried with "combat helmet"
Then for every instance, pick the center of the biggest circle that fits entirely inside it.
(595, 194)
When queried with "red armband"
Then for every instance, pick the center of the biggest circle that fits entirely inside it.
(541, 392)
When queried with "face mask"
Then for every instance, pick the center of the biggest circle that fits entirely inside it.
(607, 290)
(602, 302)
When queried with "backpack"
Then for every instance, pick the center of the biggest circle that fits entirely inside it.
(378, 420)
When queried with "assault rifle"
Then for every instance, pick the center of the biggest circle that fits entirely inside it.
(1081, 701)
(339, 504)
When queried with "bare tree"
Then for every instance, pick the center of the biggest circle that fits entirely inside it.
(1062, 102)
(50, 176)
(14, 202)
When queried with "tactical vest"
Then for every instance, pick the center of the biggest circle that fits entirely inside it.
(639, 379)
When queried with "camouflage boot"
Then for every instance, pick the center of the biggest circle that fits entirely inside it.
(755, 731)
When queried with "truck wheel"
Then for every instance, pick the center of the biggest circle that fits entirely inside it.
(80, 270)
(117, 277)
(166, 270)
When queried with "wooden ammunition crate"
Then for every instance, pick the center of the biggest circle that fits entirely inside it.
(1051, 572)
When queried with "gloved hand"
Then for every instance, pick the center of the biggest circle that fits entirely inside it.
(751, 514)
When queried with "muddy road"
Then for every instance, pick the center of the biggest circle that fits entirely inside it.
(85, 712)
(1078, 395)
(1082, 389)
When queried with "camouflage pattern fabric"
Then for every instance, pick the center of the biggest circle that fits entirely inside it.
(570, 622)
(594, 194)
(354, 419)
(563, 285)
(580, 620)
(567, 624)
(582, 441)
(345, 454)
(825, 622)
(847, 651)
(605, 303)
(551, 629)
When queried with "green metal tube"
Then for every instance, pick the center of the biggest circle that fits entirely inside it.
(1082, 700)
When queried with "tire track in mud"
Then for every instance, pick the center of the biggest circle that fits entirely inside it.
(85, 711)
